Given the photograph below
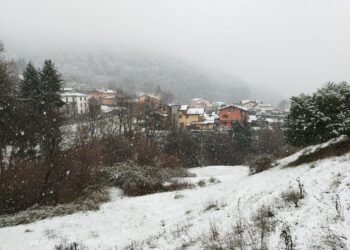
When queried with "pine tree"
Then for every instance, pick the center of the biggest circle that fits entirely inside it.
(8, 104)
(51, 122)
(31, 97)
(241, 135)
(51, 104)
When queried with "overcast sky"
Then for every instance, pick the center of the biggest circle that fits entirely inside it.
(292, 45)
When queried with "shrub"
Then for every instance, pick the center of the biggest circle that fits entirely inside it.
(137, 180)
(294, 195)
(264, 223)
(334, 148)
(211, 205)
(260, 164)
(202, 183)
(286, 237)
(64, 245)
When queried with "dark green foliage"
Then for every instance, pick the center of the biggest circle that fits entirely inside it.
(41, 97)
(319, 117)
(50, 83)
(220, 149)
(241, 135)
(31, 95)
(8, 104)
(185, 145)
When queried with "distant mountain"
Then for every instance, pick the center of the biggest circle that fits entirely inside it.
(136, 71)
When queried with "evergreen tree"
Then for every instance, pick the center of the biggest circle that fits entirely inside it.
(8, 104)
(51, 104)
(241, 135)
(31, 96)
(319, 117)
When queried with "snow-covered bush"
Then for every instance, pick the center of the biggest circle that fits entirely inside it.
(293, 195)
(260, 164)
(140, 180)
(319, 117)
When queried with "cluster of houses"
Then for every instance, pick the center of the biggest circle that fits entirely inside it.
(200, 114)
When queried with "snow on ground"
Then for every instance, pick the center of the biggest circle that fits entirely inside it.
(169, 220)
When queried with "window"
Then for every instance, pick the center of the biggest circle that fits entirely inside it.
(180, 116)
(66, 99)
(81, 98)
(225, 115)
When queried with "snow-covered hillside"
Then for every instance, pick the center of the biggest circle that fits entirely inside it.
(180, 220)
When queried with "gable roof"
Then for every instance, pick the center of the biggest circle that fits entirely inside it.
(183, 108)
(248, 101)
(195, 111)
(234, 106)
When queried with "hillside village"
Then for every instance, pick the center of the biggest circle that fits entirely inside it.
(174, 125)
(199, 114)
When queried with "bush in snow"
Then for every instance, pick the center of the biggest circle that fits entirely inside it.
(286, 237)
(319, 117)
(140, 180)
(260, 164)
(64, 245)
(294, 195)
(334, 147)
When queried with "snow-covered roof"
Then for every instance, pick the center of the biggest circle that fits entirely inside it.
(247, 101)
(107, 91)
(149, 95)
(234, 106)
(110, 97)
(196, 99)
(183, 108)
(252, 118)
(265, 105)
(203, 122)
(67, 94)
(68, 89)
(195, 111)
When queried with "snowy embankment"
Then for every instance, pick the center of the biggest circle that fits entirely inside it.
(179, 219)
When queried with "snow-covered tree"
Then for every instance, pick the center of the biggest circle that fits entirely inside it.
(319, 117)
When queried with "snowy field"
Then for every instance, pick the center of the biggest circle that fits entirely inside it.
(175, 220)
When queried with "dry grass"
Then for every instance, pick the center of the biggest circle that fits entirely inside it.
(335, 149)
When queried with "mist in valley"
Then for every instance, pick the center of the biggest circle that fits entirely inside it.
(221, 50)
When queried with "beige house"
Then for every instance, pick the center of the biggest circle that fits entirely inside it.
(188, 116)
(154, 100)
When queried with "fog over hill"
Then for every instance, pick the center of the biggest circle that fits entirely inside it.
(139, 71)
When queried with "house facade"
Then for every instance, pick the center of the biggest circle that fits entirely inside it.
(75, 103)
(248, 104)
(187, 116)
(230, 114)
(104, 96)
(153, 100)
(201, 103)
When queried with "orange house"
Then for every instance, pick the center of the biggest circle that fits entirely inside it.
(230, 114)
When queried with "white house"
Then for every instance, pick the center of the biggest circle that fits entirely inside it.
(264, 108)
(248, 104)
(75, 103)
